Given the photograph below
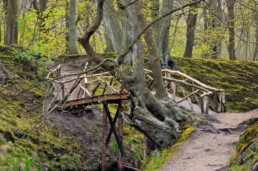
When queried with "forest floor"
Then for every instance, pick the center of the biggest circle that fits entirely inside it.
(210, 150)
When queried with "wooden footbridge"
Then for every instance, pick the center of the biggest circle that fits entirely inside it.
(76, 93)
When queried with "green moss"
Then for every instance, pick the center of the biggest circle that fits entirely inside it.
(154, 163)
(45, 145)
(247, 149)
(239, 79)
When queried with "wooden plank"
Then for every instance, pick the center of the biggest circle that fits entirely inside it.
(111, 98)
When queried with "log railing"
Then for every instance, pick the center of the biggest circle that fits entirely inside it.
(205, 96)
(177, 84)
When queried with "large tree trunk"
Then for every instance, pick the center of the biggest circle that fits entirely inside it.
(11, 35)
(163, 36)
(205, 27)
(0, 32)
(72, 28)
(67, 35)
(219, 26)
(112, 26)
(256, 33)
(213, 23)
(158, 117)
(191, 24)
(231, 27)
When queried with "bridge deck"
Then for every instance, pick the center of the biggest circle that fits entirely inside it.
(108, 98)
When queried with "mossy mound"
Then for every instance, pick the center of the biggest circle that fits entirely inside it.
(239, 79)
(247, 150)
(21, 97)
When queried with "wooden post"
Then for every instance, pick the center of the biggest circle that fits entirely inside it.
(206, 102)
(201, 104)
(104, 137)
(63, 93)
(223, 101)
(120, 134)
(173, 86)
(145, 147)
(216, 103)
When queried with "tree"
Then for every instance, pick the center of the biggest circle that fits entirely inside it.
(11, 34)
(256, 31)
(72, 28)
(231, 25)
(121, 37)
(158, 117)
(191, 24)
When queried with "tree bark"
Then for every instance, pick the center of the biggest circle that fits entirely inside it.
(256, 33)
(0, 32)
(112, 26)
(72, 28)
(163, 37)
(191, 24)
(11, 34)
(205, 27)
(67, 35)
(231, 26)
(219, 26)
(213, 23)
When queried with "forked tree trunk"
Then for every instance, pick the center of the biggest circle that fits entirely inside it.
(158, 117)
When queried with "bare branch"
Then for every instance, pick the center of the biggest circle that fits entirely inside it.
(85, 40)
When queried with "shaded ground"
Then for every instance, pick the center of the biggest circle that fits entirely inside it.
(209, 150)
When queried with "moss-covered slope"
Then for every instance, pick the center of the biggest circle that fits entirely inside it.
(239, 79)
(45, 146)
(247, 150)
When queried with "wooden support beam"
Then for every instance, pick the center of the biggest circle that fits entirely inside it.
(120, 134)
(104, 136)
(114, 123)
(113, 127)
(63, 92)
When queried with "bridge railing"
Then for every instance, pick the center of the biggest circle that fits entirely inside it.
(191, 90)
(177, 85)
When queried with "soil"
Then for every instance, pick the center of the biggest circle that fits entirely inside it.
(210, 150)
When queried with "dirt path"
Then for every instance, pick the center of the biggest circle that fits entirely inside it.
(209, 151)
